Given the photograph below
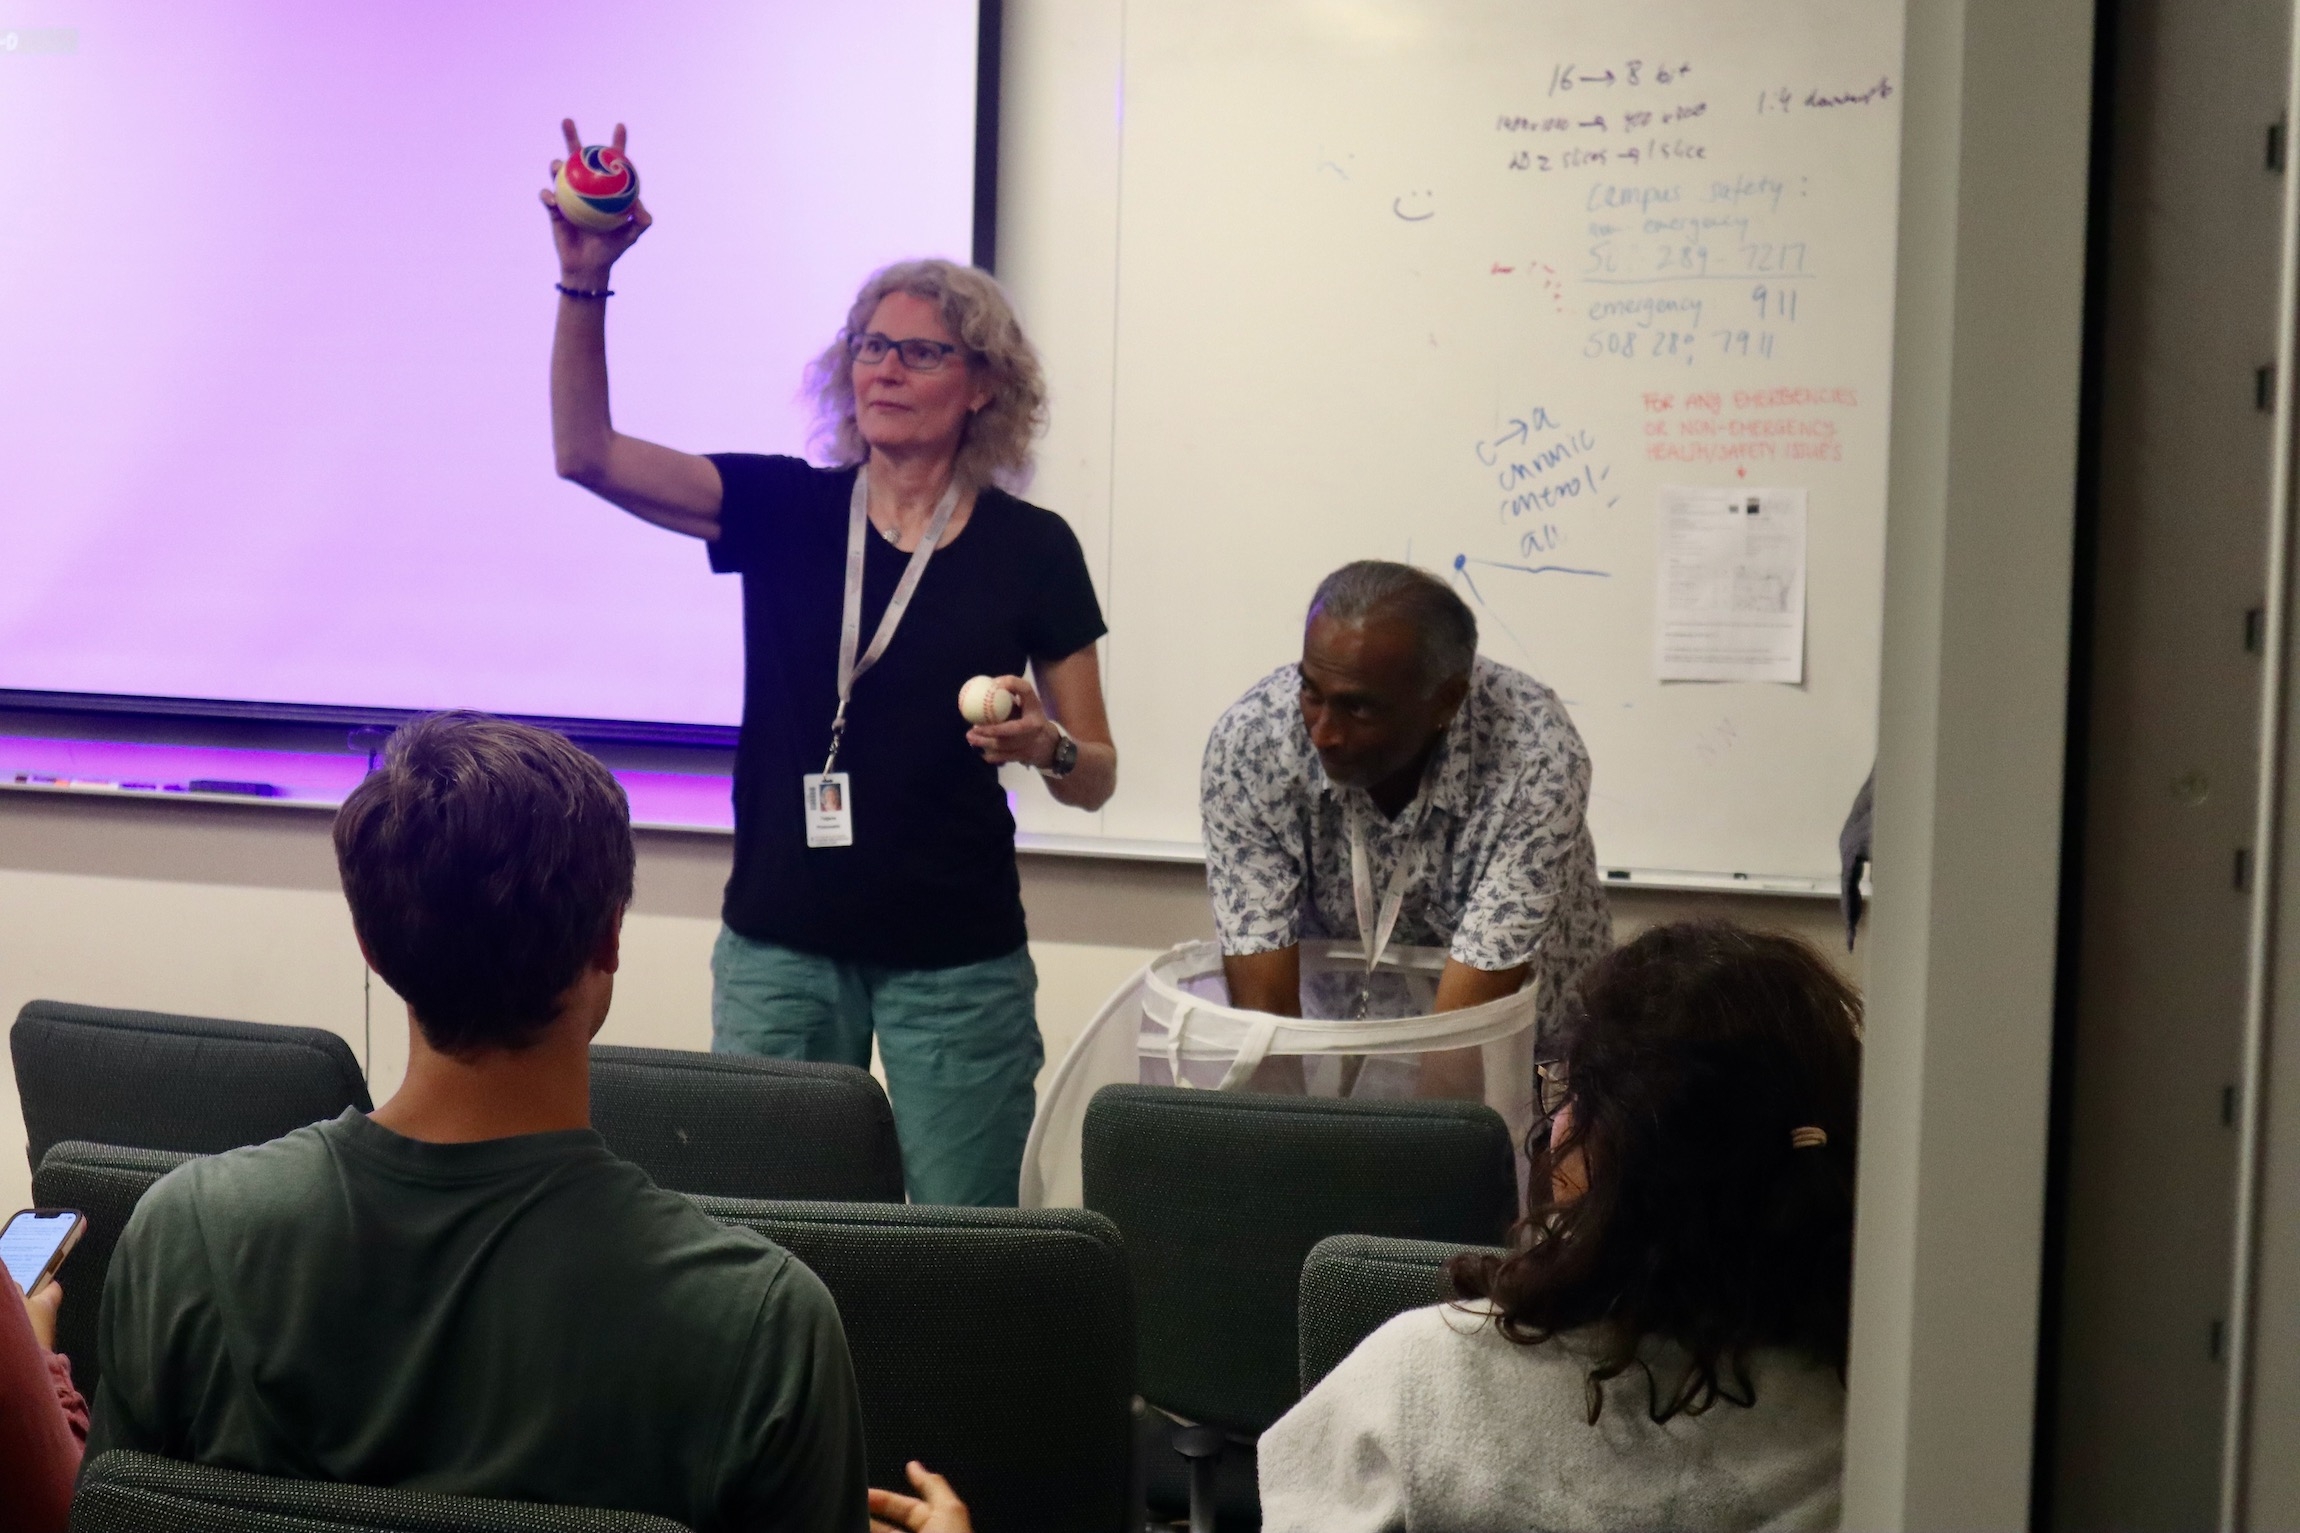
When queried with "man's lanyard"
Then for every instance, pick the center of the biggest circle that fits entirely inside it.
(850, 618)
(1374, 935)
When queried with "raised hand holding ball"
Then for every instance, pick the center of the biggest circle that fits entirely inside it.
(596, 187)
(983, 701)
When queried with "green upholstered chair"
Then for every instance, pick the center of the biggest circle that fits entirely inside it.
(728, 1125)
(162, 1082)
(104, 1182)
(996, 1346)
(1351, 1284)
(138, 1493)
(1220, 1197)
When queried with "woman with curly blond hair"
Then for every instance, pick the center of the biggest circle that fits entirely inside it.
(873, 588)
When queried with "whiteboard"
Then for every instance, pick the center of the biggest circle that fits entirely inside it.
(1468, 283)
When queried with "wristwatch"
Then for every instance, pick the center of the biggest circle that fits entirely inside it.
(1065, 753)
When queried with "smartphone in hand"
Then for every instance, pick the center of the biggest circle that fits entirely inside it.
(36, 1242)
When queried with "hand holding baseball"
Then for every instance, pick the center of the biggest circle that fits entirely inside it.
(983, 701)
(1028, 735)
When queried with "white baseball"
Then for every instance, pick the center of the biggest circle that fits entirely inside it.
(984, 701)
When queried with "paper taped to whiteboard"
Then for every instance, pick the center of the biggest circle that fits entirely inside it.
(1731, 605)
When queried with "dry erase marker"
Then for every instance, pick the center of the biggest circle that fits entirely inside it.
(236, 789)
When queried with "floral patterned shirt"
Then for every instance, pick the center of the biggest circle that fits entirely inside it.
(1505, 873)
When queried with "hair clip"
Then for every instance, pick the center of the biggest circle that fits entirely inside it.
(1808, 1138)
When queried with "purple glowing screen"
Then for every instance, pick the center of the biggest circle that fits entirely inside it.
(276, 307)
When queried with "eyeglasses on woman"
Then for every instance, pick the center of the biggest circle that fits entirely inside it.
(918, 354)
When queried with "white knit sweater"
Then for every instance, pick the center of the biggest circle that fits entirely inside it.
(1438, 1422)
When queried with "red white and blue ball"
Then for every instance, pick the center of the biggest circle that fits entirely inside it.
(596, 189)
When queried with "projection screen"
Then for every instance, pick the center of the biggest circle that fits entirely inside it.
(276, 307)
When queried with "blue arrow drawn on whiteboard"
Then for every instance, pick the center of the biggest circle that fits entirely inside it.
(1462, 562)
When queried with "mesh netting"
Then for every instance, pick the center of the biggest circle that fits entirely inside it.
(1364, 1036)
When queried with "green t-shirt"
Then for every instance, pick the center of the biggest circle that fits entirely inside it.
(529, 1318)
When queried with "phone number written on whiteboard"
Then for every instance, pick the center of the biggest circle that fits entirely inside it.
(1676, 269)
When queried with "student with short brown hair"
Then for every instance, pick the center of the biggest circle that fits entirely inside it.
(466, 1292)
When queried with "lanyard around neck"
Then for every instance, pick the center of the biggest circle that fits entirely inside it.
(1373, 934)
(852, 666)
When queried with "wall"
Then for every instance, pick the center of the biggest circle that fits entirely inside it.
(2180, 522)
(2260, 1474)
(224, 911)
(1978, 558)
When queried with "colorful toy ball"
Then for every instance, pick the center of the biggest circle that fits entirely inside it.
(596, 189)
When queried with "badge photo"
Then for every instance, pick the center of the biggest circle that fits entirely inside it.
(829, 799)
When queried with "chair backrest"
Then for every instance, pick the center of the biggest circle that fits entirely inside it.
(104, 1182)
(994, 1345)
(730, 1126)
(1353, 1283)
(163, 1082)
(1221, 1195)
(137, 1493)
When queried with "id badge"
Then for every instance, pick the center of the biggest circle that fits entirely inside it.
(830, 808)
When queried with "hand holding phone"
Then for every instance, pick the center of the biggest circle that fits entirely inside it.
(35, 1243)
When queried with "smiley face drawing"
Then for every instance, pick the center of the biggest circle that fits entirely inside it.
(1415, 207)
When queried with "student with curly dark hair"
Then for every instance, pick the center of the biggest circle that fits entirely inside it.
(1664, 1345)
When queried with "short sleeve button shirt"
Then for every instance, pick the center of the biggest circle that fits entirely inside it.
(1506, 873)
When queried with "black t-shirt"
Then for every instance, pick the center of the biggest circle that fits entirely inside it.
(930, 880)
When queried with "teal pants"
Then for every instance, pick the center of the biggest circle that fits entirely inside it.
(960, 1047)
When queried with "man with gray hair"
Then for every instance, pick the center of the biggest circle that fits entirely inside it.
(1462, 780)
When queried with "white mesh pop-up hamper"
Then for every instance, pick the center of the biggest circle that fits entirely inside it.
(1171, 1024)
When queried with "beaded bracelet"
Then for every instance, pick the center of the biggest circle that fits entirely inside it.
(601, 295)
